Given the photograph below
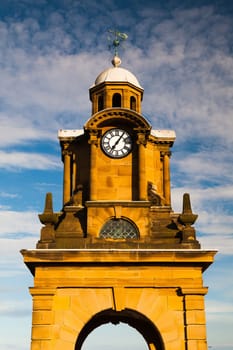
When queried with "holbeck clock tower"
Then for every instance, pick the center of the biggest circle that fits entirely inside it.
(117, 252)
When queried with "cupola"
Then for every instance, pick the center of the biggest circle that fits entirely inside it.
(116, 87)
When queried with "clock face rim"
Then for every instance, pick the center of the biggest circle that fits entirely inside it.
(117, 156)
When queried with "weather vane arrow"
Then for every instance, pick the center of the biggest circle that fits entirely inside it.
(116, 37)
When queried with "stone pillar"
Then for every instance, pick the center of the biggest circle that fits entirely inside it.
(138, 103)
(93, 165)
(74, 174)
(107, 99)
(195, 322)
(42, 318)
(166, 178)
(66, 175)
(142, 166)
(126, 99)
(93, 101)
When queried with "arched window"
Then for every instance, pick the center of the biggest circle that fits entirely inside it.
(116, 100)
(119, 229)
(133, 103)
(100, 103)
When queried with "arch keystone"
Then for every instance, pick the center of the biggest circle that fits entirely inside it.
(118, 294)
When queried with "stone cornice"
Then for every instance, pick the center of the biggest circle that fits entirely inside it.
(103, 203)
(120, 257)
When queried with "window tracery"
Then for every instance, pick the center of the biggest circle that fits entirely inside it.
(119, 229)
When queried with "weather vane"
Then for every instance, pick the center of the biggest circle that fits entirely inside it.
(116, 37)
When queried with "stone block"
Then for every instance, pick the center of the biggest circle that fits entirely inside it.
(125, 170)
(177, 344)
(119, 298)
(42, 317)
(40, 332)
(196, 332)
(197, 345)
(36, 345)
(67, 334)
(194, 302)
(61, 302)
(42, 303)
(42, 345)
(62, 344)
(175, 303)
(195, 317)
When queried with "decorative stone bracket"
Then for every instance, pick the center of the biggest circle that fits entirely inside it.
(93, 136)
(142, 136)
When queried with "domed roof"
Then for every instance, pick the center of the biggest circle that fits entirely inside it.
(117, 74)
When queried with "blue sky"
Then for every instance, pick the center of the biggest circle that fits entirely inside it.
(50, 54)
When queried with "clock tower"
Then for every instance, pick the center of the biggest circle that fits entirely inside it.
(117, 252)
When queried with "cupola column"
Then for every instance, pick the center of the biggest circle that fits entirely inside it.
(93, 168)
(142, 167)
(74, 173)
(94, 104)
(67, 175)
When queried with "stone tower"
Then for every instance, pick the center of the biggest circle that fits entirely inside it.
(117, 252)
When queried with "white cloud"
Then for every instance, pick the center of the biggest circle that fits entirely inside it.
(212, 165)
(23, 160)
(13, 222)
(19, 129)
(11, 263)
(216, 307)
(207, 200)
(4, 207)
(223, 244)
(216, 223)
(8, 195)
(17, 308)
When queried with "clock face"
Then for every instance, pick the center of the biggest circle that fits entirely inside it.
(116, 143)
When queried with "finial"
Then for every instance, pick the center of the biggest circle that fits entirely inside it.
(115, 39)
(48, 208)
(48, 216)
(187, 217)
(186, 204)
(116, 61)
(49, 219)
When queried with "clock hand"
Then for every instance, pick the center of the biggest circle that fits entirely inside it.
(117, 141)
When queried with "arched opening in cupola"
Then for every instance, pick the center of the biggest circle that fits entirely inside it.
(133, 103)
(116, 100)
(100, 103)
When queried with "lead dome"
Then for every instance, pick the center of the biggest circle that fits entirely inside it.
(117, 74)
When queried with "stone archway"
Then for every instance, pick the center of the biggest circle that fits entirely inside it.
(131, 317)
